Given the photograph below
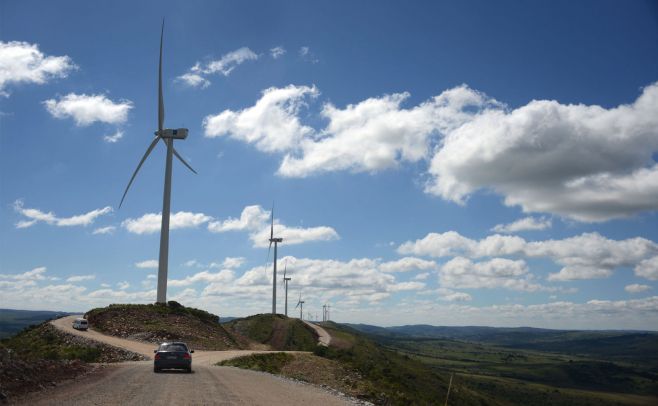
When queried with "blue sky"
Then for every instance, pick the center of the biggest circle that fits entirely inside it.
(448, 163)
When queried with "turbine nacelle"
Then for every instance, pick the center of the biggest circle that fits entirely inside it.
(177, 133)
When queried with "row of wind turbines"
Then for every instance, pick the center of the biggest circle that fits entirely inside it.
(167, 136)
(286, 279)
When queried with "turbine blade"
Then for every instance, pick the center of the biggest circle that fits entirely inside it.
(148, 151)
(161, 112)
(183, 161)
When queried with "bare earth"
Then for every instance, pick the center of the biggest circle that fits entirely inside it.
(323, 337)
(135, 383)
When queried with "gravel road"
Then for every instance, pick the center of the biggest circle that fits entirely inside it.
(323, 337)
(135, 383)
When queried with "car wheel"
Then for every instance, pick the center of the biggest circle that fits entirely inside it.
(189, 370)
(156, 370)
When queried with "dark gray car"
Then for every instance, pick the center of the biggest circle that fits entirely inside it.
(175, 355)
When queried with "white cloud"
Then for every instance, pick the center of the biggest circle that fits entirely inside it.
(255, 220)
(233, 262)
(150, 223)
(195, 77)
(277, 52)
(293, 235)
(224, 276)
(524, 224)
(87, 109)
(586, 163)
(586, 256)
(251, 218)
(272, 123)
(104, 230)
(80, 278)
(114, 137)
(637, 288)
(148, 264)
(35, 215)
(123, 285)
(303, 51)
(495, 273)
(422, 276)
(408, 264)
(648, 268)
(22, 62)
(452, 296)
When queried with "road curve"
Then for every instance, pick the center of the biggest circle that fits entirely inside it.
(135, 383)
(323, 337)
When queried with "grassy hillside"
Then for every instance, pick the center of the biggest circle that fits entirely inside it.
(625, 346)
(157, 323)
(278, 332)
(13, 321)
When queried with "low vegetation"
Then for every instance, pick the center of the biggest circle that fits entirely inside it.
(276, 332)
(157, 323)
(41, 355)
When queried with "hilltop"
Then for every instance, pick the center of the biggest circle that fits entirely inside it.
(275, 332)
(157, 323)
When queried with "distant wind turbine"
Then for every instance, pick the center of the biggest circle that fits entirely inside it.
(167, 136)
(300, 304)
(285, 284)
(276, 242)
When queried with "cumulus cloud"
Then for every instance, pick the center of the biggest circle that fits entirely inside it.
(648, 268)
(582, 162)
(123, 285)
(271, 124)
(148, 264)
(104, 230)
(408, 264)
(35, 215)
(81, 278)
(223, 276)
(254, 219)
(524, 224)
(251, 218)
(196, 76)
(87, 109)
(114, 137)
(22, 62)
(504, 273)
(150, 223)
(233, 262)
(586, 256)
(637, 288)
(277, 52)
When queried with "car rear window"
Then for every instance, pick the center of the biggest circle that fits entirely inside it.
(173, 347)
(83, 322)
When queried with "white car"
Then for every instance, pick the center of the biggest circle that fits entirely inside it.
(80, 324)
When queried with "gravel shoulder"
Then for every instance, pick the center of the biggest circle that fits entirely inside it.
(323, 336)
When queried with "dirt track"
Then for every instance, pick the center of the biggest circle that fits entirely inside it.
(135, 383)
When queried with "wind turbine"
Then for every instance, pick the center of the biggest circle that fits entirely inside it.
(285, 284)
(300, 304)
(276, 242)
(167, 136)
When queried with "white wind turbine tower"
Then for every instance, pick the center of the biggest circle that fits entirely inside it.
(300, 304)
(167, 136)
(285, 284)
(276, 242)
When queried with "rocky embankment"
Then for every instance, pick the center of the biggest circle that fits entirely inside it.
(43, 356)
(155, 324)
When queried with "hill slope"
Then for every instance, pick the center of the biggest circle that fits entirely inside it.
(12, 321)
(157, 323)
(277, 332)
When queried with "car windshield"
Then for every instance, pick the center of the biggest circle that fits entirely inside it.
(173, 347)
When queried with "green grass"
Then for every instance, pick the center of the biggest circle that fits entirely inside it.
(41, 342)
(272, 363)
(277, 331)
